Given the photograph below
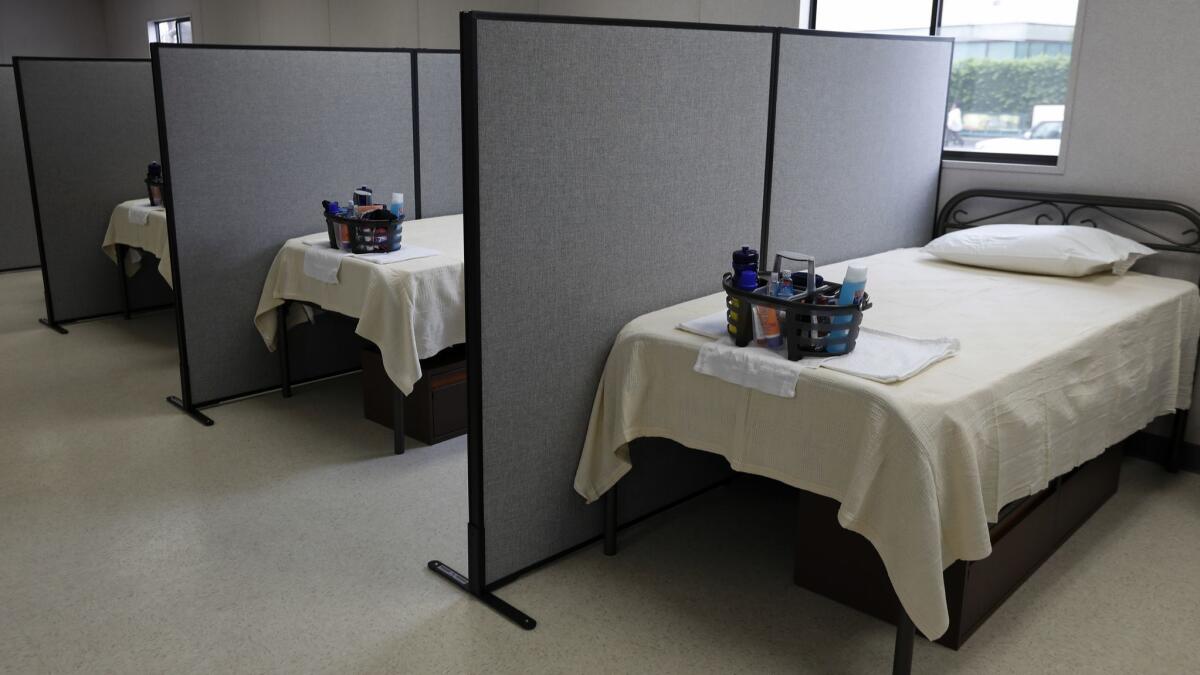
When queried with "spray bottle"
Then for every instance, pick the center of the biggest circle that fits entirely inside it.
(853, 287)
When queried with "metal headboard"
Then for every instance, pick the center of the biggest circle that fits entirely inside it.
(1180, 234)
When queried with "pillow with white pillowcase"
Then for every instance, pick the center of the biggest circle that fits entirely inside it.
(1058, 250)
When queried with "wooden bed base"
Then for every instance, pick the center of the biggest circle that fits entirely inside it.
(843, 566)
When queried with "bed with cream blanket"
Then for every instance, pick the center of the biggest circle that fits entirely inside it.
(1051, 371)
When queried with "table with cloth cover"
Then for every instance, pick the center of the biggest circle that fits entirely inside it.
(1051, 372)
(411, 310)
(137, 225)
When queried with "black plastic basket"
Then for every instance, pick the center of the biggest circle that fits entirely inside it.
(362, 235)
(807, 326)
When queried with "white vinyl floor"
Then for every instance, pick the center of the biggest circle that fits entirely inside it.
(288, 539)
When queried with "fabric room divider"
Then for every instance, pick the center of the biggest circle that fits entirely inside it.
(858, 143)
(439, 111)
(610, 168)
(18, 237)
(252, 139)
(89, 134)
(626, 193)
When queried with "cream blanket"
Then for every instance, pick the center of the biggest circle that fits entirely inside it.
(126, 226)
(1051, 372)
(411, 309)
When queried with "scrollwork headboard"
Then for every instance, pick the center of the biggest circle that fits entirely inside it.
(1159, 224)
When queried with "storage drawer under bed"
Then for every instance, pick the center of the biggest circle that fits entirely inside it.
(843, 566)
(435, 411)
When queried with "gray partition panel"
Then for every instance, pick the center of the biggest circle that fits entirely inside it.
(858, 143)
(255, 138)
(91, 130)
(18, 238)
(618, 166)
(440, 112)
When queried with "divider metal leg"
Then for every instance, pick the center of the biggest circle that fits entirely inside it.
(285, 366)
(397, 420)
(610, 521)
(1175, 449)
(122, 252)
(905, 634)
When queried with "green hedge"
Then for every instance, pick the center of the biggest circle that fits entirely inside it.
(1011, 86)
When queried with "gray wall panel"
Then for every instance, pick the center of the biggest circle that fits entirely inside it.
(441, 134)
(18, 239)
(609, 200)
(858, 142)
(92, 132)
(256, 139)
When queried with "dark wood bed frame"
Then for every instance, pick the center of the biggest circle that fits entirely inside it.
(844, 566)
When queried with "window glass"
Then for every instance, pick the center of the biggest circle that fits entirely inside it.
(166, 31)
(905, 17)
(1011, 96)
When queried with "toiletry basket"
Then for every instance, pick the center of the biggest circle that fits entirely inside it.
(807, 326)
(360, 235)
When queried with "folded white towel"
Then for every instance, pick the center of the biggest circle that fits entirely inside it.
(714, 325)
(322, 263)
(752, 366)
(140, 210)
(406, 252)
(887, 357)
(879, 356)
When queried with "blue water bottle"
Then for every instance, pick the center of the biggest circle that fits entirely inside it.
(745, 278)
(744, 259)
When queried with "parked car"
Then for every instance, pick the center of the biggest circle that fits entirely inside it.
(1043, 139)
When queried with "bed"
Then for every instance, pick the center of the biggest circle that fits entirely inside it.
(136, 227)
(1052, 372)
(410, 310)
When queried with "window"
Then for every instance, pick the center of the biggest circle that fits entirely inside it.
(1008, 81)
(906, 17)
(174, 31)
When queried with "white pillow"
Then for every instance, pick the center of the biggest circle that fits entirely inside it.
(1058, 250)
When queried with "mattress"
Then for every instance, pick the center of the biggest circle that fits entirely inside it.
(1051, 372)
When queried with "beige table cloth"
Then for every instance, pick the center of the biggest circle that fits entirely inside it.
(412, 309)
(150, 237)
(1052, 372)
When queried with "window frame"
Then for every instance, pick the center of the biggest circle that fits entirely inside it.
(1005, 160)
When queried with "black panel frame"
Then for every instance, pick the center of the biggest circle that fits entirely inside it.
(24, 267)
(185, 401)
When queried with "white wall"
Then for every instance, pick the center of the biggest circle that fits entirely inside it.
(395, 23)
(1134, 127)
(51, 28)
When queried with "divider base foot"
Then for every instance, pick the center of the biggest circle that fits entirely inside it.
(190, 412)
(496, 604)
(53, 326)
